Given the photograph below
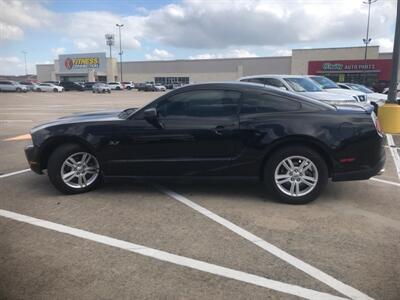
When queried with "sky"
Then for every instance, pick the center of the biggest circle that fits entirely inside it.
(185, 29)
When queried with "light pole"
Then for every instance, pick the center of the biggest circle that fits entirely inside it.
(110, 41)
(120, 48)
(26, 69)
(395, 59)
(367, 39)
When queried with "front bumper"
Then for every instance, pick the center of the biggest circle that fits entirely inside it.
(32, 156)
(361, 174)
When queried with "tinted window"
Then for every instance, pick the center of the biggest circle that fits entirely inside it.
(204, 103)
(5, 82)
(264, 103)
(273, 82)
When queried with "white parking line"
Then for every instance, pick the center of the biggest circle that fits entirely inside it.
(173, 258)
(290, 259)
(394, 153)
(14, 173)
(385, 181)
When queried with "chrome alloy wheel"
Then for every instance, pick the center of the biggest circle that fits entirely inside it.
(80, 170)
(296, 176)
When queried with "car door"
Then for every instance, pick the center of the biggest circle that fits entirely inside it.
(197, 134)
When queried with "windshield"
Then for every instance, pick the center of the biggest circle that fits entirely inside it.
(302, 85)
(324, 82)
(126, 113)
(360, 88)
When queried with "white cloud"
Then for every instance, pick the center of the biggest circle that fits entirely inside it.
(57, 51)
(17, 15)
(159, 54)
(233, 53)
(13, 65)
(220, 24)
(282, 52)
(385, 44)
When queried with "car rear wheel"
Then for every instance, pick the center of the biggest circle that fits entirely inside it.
(296, 175)
(19, 90)
(55, 90)
(38, 90)
(72, 169)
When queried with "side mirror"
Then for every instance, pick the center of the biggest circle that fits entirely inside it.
(283, 88)
(151, 115)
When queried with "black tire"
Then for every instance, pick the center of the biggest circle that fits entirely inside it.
(55, 90)
(109, 91)
(55, 164)
(129, 88)
(118, 88)
(38, 90)
(93, 91)
(18, 90)
(278, 156)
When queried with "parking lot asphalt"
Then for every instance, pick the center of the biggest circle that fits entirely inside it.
(351, 233)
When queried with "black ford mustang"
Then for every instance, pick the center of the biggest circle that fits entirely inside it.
(291, 143)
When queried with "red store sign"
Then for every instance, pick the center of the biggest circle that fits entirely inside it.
(381, 66)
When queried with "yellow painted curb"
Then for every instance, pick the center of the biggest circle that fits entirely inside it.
(19, 138)
(389, 118)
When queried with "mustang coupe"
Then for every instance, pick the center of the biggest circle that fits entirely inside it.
(291, 143)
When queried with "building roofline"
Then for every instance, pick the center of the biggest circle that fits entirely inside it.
(332, 48)
(207, 59)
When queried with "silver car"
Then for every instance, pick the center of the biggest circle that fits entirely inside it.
(12, 86)
(101, 88)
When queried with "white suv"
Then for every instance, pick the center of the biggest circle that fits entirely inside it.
(129, 85)
(372, 97)
(331, 87)
(299, 84)
(116, 86)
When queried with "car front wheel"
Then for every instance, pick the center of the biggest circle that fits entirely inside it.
(296, 175)
(72, 169)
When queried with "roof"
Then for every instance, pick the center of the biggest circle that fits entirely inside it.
(242, 86)
(272, 76)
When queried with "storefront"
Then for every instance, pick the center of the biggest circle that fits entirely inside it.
(374, 70)
(82, 67)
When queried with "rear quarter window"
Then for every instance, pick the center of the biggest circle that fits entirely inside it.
(266, 103)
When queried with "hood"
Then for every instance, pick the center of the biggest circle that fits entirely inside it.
(325, 96)
(376, 96)
(93, 115)
(345, 92)
(111, 115)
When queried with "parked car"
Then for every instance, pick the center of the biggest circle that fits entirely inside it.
(29, 85)
(288, 141)
(89, 85)
(101, 88)
(159, 87)
(331, 87)
(299, 84)
(71, 86)
(12, 86)
(374, 98)
(129, 85)
(147, 87)
(140, 86)
(116, 86)
(48, 87)
(56, 82)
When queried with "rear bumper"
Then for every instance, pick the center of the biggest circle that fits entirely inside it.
(361, 174)
(32, 156)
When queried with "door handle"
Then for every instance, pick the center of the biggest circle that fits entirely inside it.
(219, 130)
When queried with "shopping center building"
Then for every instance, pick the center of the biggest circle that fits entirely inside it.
(340, 64)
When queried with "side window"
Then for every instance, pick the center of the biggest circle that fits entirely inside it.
(265, 103)
(274, 82)
(200, 104)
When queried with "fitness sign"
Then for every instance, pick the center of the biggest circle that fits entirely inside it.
(80, 63)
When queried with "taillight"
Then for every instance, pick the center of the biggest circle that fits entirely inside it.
(377, 123)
